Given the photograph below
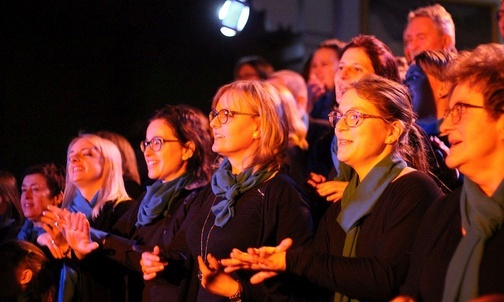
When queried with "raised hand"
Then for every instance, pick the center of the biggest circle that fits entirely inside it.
(53, 223)
(332, 190)
(77, 233)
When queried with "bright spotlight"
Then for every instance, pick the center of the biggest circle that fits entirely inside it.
(233, 15)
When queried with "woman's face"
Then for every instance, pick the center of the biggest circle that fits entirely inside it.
(476, 140)
(362, 146)
(324, 65)
(85, 164)
(170, 161)
(36, 196)
(234, 138)
(354, 64)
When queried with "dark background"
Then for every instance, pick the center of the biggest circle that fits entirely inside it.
(93, 65)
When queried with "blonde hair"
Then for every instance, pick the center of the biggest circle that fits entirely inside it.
(260, 98)
(297, 129)
(129, 162)
(112, 188)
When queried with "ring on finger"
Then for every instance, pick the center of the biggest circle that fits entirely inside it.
(53, 243)
(56, 224)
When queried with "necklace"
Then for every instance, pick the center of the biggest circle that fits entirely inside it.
(204, 255)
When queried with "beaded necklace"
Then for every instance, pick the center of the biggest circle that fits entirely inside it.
(204, 255)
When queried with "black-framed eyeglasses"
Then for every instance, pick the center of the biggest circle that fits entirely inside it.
(224, 114)
(456, 111)
(155, 144)
(352, 118)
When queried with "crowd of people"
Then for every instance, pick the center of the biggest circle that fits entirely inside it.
(348, 181)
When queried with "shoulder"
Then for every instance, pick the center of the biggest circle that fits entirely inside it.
(415, 186)
(411, 177)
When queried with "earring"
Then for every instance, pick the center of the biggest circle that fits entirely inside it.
(254, 135)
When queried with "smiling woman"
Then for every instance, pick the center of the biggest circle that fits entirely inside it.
(42, 185)
(361, 247)
(457, 254)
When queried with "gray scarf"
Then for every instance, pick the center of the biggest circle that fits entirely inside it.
(482, 216)
(358, 202)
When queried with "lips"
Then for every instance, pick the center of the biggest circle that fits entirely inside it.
(77, 169)
(343, 142)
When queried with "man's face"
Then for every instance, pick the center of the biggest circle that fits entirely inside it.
(422, 34)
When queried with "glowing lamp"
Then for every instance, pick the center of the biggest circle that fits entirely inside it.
(233, 15)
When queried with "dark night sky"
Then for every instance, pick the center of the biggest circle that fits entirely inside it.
(93, 65)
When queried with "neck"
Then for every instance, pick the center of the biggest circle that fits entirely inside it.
(88, 192)
(363, 169)
(488, 177)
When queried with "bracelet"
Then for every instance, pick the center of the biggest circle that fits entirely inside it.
(238, 295)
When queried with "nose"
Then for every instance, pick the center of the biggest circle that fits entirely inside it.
(26, 194)
(73, 158)
(340, 125)
(214, 123)
(446, 125)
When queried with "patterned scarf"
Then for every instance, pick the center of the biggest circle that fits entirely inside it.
(359, 199)
(482, 216)
(226, 184)
(159, 197)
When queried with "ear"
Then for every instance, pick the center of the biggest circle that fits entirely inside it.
(188, 150)
(58, 199)
(444, 88)
(395, 131)
(447, 42)
(26, 276)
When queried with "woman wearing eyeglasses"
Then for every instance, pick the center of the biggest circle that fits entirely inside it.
(177, 152)
(247, 203)
(458, 252)
(361, 248)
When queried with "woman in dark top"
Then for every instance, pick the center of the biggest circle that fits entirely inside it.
(95, 188)
(457, 255)
(177, 152)
(247, 203)
(362, 245)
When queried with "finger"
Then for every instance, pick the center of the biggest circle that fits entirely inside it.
(147, 256)
(261, 276)
(150, 276)
(156, 250)
(202, 266)
(213, 263)
(284, 245)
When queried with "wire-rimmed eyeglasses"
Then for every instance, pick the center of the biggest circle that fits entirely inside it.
(224, 114)
(155, 144)
(456, 111)
(352, 118)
